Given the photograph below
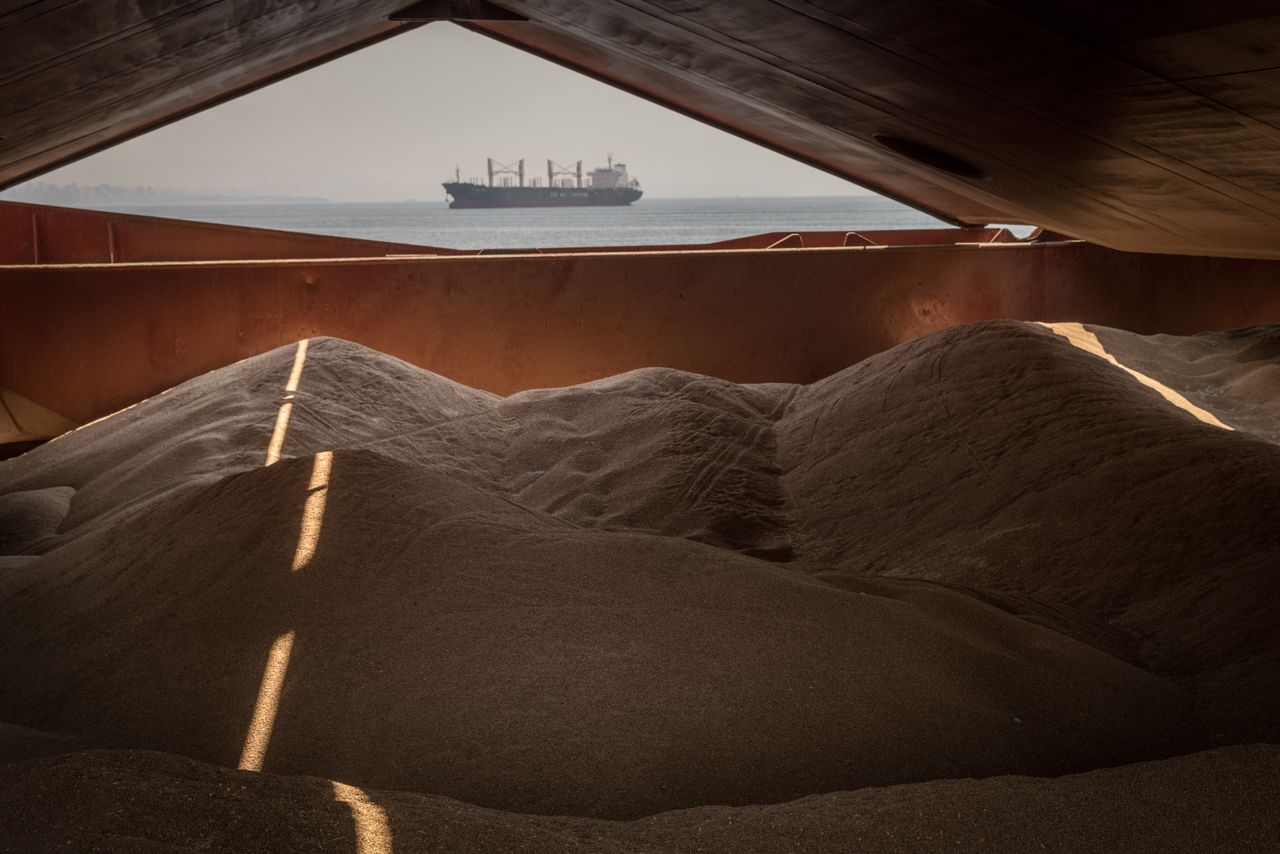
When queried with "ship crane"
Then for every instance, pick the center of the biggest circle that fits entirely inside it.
(496, 168)
(554, 169)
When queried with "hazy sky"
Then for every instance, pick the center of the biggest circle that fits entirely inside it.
(391, 121)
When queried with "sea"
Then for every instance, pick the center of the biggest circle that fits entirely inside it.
(648, 221)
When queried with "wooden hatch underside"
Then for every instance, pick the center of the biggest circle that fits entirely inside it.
(1144, 126)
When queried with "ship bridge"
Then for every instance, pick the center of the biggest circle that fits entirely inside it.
(613, 175)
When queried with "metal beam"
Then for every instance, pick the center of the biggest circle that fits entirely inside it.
(426, 11)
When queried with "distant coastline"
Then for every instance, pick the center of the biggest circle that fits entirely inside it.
(45, 193)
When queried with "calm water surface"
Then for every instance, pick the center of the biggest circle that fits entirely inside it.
(649, 221)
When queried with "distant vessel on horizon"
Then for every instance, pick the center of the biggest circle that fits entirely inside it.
(609, 185)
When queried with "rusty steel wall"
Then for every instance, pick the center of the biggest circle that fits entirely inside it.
(49, 234)
(45, 234)
(87, 340)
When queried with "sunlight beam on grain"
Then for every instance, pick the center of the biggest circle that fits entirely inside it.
(313, 512)
(277, 435)
(299, 358)
(373, 834)
(264, 711)
(286, 408)
(267, 706)
(1087, 341)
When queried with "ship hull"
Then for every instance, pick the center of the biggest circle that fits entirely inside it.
(463, 195)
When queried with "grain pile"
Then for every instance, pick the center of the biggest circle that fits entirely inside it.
(991, 551)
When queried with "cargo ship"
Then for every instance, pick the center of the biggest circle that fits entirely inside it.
(565, 187)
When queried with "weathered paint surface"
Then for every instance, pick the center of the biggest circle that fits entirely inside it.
(84, 340)
(45, 234)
